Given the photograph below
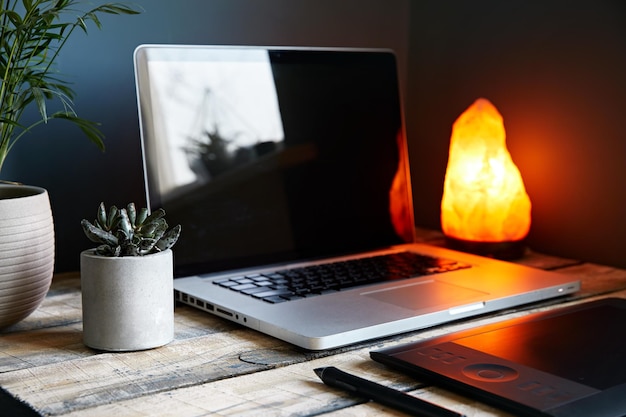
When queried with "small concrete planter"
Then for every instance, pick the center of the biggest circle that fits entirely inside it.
(128, 301)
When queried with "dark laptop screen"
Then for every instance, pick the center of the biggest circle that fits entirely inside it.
(273, 155)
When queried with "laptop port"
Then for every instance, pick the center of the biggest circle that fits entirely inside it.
(224, 312)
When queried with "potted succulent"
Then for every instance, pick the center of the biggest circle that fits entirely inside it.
(127, 281)
(32, 34)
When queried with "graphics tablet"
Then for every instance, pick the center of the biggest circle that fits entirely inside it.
(566, 362)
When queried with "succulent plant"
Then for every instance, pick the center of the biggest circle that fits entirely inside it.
(126, 232)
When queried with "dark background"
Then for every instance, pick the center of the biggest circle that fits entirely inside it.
(552, 68)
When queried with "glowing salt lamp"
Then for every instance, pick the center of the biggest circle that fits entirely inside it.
(485, 208)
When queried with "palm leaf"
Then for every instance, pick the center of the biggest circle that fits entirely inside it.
(32, 33)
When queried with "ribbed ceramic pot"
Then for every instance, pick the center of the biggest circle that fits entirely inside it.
(26, 251)
(128, 301)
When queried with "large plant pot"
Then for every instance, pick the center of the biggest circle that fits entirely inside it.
(26, 251)
(128, 302)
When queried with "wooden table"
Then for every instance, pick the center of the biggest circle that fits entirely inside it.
(215, 367)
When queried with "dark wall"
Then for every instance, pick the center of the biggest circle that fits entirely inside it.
(555, 70)
(99, 65)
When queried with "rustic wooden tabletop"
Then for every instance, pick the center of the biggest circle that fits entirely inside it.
(214, 367)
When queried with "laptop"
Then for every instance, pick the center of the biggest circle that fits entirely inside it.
(288, 171)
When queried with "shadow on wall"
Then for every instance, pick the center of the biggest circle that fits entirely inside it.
(554, 71)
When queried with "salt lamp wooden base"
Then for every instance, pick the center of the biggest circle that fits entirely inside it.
(498, 250)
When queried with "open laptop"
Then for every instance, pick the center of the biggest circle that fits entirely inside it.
(288, 171)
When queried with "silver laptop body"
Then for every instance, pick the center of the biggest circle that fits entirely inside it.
(277, 158)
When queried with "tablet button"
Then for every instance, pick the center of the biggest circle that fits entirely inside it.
(490, 372)
(530, 385)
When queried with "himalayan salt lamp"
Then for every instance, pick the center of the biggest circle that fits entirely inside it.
(485, 208)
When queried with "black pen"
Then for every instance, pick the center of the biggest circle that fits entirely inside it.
(382, 394)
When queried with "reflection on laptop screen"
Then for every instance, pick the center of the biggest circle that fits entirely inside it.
(272, 155)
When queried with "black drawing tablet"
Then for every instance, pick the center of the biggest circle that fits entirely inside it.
(570, 361)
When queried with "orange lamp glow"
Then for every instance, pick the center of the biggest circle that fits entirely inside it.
(484, 198)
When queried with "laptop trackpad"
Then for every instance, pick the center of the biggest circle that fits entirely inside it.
(426, 294)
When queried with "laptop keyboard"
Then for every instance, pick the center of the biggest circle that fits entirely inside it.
(296, 283)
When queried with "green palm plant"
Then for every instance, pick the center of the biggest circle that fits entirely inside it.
(32, 33)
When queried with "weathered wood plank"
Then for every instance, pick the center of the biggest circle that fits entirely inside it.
(23, 350)
(597, 279)
(292, 390)
(48, 345)
(53, 333)
(287, 391)
(80, 383)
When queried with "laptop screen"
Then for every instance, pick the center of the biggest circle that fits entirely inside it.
(271, 155)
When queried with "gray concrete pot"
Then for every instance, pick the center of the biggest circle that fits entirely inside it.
(128, 302)
(26, 251)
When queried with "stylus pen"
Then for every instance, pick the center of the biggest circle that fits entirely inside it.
(382, 394)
